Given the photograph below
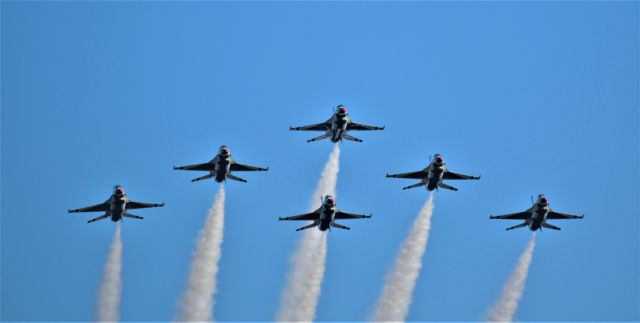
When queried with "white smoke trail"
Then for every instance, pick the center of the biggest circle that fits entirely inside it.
(300, 297)
(197, 300)
(397, 294)
(111, 286)
(512, 293)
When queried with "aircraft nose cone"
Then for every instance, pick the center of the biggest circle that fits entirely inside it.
(543, 200)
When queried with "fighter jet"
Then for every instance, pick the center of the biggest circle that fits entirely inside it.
(116, 207)
(337, 127)
(433, 175)
(220, 167)
(536, 216)
(325, 216)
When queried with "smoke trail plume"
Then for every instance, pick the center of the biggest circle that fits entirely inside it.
(397, 294)
(512, 293)
(111, 286)
(197, 300)
(301, 295)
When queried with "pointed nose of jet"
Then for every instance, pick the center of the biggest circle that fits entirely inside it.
(119, 191)
(439, 159)
(224, 151)
(543, 200)
(342, 109)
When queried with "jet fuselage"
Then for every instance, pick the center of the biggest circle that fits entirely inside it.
(118, 207)
(326, 216)
(435, 176)
(538, 216)
(339, 126)
(222, 166)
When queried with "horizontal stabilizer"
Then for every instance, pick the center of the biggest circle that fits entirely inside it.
(414, 186)
(445, 186)
(326, 135)
(352, 138)
(307, 227)
(133, 216)
(104, 216)
(524, 224)
(236, 178)
(549, 226)
(201, 178)
(339, 226)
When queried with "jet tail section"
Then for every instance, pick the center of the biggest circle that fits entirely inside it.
(307, 227)
(339, 226)
(549, 226)
(445, 186)
(326, 135)
(104, 216)
(236, 178)
(133, 216)
(523, 224)
(414, 186)
(347, 137)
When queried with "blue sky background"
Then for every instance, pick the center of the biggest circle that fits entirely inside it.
(537, 97)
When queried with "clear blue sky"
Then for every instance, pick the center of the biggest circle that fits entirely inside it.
(537, 97)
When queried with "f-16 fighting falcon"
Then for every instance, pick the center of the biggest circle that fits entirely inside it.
(325, 216)
(220, 167)
(433, 175)
(536, 216)
(116, 207)
(337, 127)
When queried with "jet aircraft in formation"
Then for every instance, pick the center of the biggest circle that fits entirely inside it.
(433, 175)
(325, 216)
(536, 216)
(116, 206)
(220, 167)
(337, 127)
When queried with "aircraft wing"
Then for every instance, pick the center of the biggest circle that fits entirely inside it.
(513, 216)
(359, 126)
(307, 216)
(452, 175)
(562, 216)
(240, 167)
(141, 205)
(346, 216)
(94, 208)
(314, 127)
(418, 175)
(204, 166)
